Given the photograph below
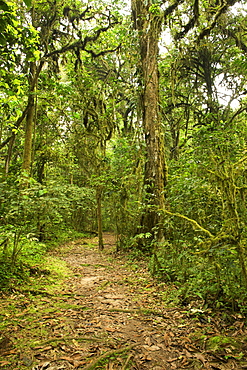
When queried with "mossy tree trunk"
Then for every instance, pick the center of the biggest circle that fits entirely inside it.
(27, 153)
(148, 24)
(227, 179)
(99, 191)
(34, 72)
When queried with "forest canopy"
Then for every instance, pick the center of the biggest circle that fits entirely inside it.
(129, 118)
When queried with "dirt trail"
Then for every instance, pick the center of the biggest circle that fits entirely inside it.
(116, 312)
(110, 315)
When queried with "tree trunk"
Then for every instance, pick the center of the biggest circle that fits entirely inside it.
(148, 25)
(34, 72)
(99, 216)
(27, 153)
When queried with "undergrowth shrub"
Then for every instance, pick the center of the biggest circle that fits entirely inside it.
(204, 254)
(18, 260)
(214, 279)
(36, 218)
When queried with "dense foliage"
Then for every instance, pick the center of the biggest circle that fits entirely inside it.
(74, 150)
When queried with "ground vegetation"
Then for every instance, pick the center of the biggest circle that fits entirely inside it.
(131, 119)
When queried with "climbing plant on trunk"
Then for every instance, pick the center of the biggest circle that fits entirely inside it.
(148, 22)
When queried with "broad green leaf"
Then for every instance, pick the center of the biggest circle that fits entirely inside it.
(28, 3)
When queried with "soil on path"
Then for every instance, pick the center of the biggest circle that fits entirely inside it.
(109, 314)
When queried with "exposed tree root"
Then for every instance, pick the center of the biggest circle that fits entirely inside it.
(127, 362)
(118, 351)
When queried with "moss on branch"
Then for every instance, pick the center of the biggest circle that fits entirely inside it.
(191, 221)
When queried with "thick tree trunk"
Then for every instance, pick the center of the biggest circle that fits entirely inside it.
(148, 25)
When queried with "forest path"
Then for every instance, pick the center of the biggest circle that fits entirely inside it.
(108, 314)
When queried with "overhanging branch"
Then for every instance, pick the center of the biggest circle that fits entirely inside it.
(103, 52)
(171, 7)
(191, 22)
(80, 44)
(223, 8)
(191, 221)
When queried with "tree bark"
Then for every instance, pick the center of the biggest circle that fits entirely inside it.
(27, 153)
(148, 25)
(99, 217)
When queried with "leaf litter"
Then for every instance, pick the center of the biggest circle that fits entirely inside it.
(107, 315)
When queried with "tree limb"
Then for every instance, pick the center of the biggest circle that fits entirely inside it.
(191, 22)
(96, 55)
(80, 44)
(193, 222)
(224, 6)
(239, 43)
(239, 111)
(17, 125)
(172, 7)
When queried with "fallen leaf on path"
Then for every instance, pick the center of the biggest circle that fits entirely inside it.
(200, 357)
(188, 354)
(69, 359)
(45, 300)
(11, 352)
(4, 363)
(44, 366)
(185, 339)
(167, 339)
(110, 329)
(174, 359)
(148, 341)
(79, 364)
(151, 348)
(43, 349)
(21, 313)
(146, 357)
(110, 366)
